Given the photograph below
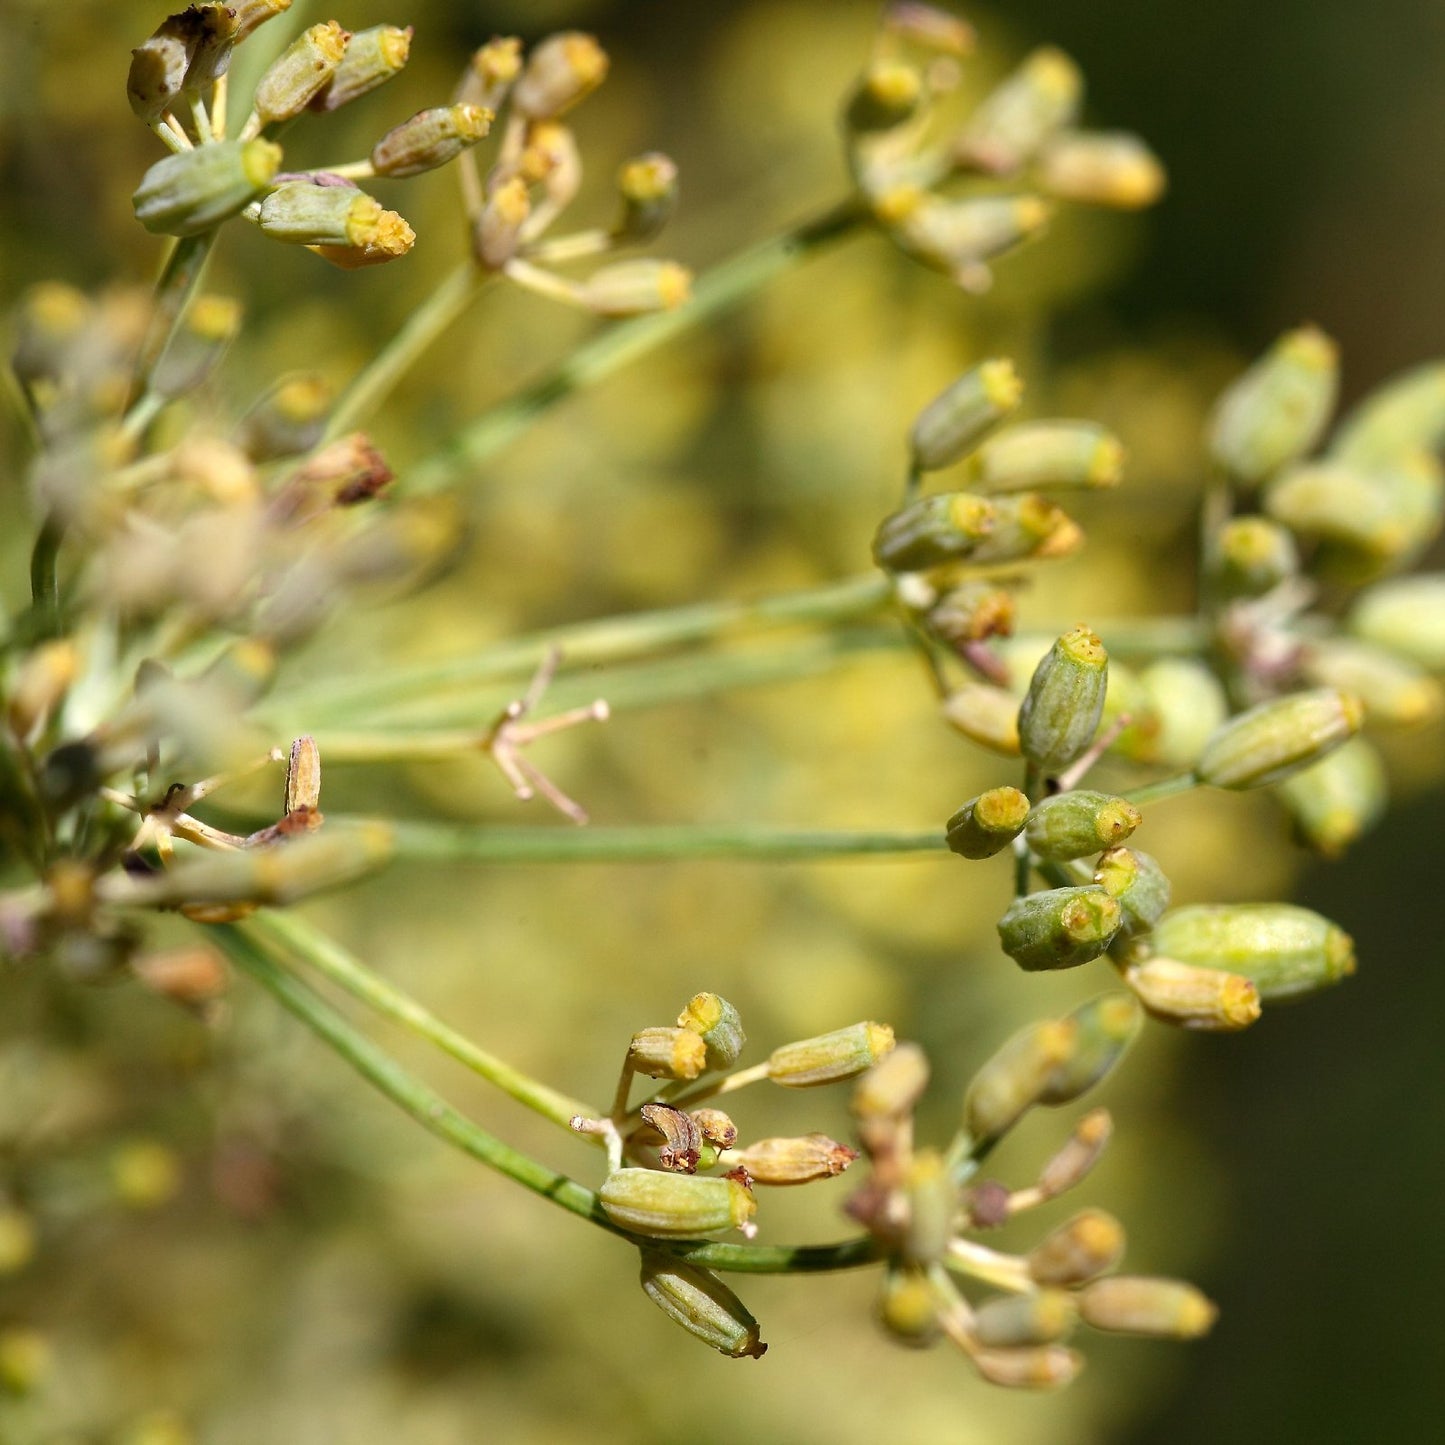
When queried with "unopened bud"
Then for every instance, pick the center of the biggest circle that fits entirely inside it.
(794, 1161)
(1044, 454)
(498, 230)
(288, 420)
(908, 1306)
(429, 139)
(985, 715)
(1101, 168)
(959, 418)
(158, 69)
(215, 36)
(1137, 883)
(1407, 616)
(1028, 527)
(1089, 1244)
(1178, 706)
(957, 237)
(1104, 1027)
(971, 612)
(1285, 950)
(702, 1304)
(196, 345)
(1250, 556)
(1334, 801)
(829, 1058)
(667, 1053)
(1279, 737)
(987, 824)
(1079, 822)
(933, 530)
(1405, 415)
(561, 71)
(1394, 690)
(1276, 411)
(300, 72)
(306, 214)
(1015, 1078)
(1081, 1151)
(675, 1206)
(192, 191)
(1059, 928)
(886, 95)
(891, 1088)
(648, 187)
(1060, 714)
(1042, 96)
(1041, 1367)
(490, 73)
(718, 1024)
(1137, 1305)
(1211, 1000)
(372, 58)
(1040, 1317)
(633, 288)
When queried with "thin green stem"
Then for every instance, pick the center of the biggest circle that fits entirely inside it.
(1164, 788)
(45, 577)
(610, 349)
(324, 954)
(179, 278)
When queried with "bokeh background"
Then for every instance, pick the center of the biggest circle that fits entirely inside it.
(236, 1242)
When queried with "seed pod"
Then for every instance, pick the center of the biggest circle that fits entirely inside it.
(971, 612)
(1283, 949)
(1279, 737)
(681, 1149)
(1277, 410)
(1101, 168)
(1137, 1305)
(718, 1024)
(1250, 556)
(633, 288)
(702, 1304)
(192, 191)
(300, 72)
(1061, 712)
(960, 417)
(908, 1307)
(988, 716)
(663, 1053)
(828, 1058)
(1081, 1151)
(1089, 1244)
(1138, 884)
(648, 187)
(886, 95)
(1407, 616)
(1208, 999)
(1040, 1317)
(288, 420)
(794, 1161)
(1042, 96)
(1041, 1367)
(429, 139)
(1059, 928)
(1406, 414)
(1394, 690)
(956, 237)
(562, 70)
(1104, 1027)
(932, 530)
(1079, 822)
(891, 1088)
(498, 230)
(1335, 800)
(372, 57)
(1027, 528)
(987, 824)
(1016, 1078)
(490, 73)
(675, 1206)
(1044, 454)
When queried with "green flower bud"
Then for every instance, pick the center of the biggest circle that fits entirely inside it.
(675, 1206)
(1394, 690)
(1279, 737)
(372, 57)
(1042, 96)
(891, 1088)
(1043, 454)
(1284, 950)
(956, 237)
(1105, 1026)
(1016, 1078)
(1041, 1367)
(1277, 410)
(960, 417)
(288, 420)
(986, 715)
(702, 1304)
(192, 191)
(1208, 999)
(1027, 528)
(307, 214)
(562, 70)
(1089, 1244)
(634, 288)
(1081, 1151)
(1338, 798)
(1102, 168)
(1250, 556)
(718, 1024)
(1079, 822)
(971, 612)
(1060, 714)
(1059, 928)
(648, 187)
(932, 530)
(498, 230)
(908, 1307)
(794, 1161)
(1178, 705)
(932, 1205)
(663, 1053)
(429, 139)
(1040, 1317)
(196, 346)
(886, 95)
(1138, 884)
(1407, 616)
(300, 72)
(828, 1058)
(1405, 415)
(1137, 1305)
(987, 824)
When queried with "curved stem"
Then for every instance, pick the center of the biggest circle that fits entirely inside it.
(1164, 788)
(44, 576)
(179, 278)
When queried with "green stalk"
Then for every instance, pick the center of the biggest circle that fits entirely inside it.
(177, 284)
(1164, 788)
(44, 577)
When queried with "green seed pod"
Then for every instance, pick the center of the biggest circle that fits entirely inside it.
(1027, 528)
(1016, 1078)
(908, 1307)
(1059, 928)
(794, 1161)
(635, 288)
(372, 57)
(564, 69)
(891, 1088)
(932, 1205)
(1250, 556)
(1138, 884)
(1040, 1367)
(971, 612)
(1040, 1317)
(429, 139)
(1089, 1244)
(718, 1024)
(1394, 690)
(300, 72)
(1208, 999)
(960, 417)
(1276, 411)
(1338, 798)
(986, 715)
(828, 1058)
(932, 530)
(1081, 1151)
(647, 185)
(675, 1206)
(1279, 737)
(1137, 1305)
(196, 346)
(1102, 168)
(1042, 96)
(288, 420)
(1284, 950)
(886, 95)
(1079, 822)
(1178, 705)
(1406, 414)
(956, 237)
(1105, 1026)
(663, 1053)
(702, 1304)
(1043, 454)
(192, 191)
(1407, 616)
(987, 824)
(1061, 712)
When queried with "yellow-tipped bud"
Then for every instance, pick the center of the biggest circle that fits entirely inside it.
(957, 419)
(829, 1058)
(372, 58)
(908, 1306)
(987, 824)
(288, 419)
(1279, 737)
(933, 530)
(647, 185)
(39, 684)
(886, 95)
(1335, 800)
(1208, 999)
(675, 1206)
(1040, 1317)
(196, 345)
(718, 1024)
(667, 1053)
(1042, 96)
(1016, 1078)
(1089, 1244)
(1059, 928)
(986, 715)
(1137, 1305)
(633, 288)
(498, 229)
(891, 1088)
(1080, 822)
(1394, 690)
(490, 73)
(1041, 1367)
(1045, 454)
(192, 191)
(1407, 414)
(1060, 713)
(300, 72)
(561, 71)
(1081, 1151)
(429, 139)
(1407, 616)
(1102, 168)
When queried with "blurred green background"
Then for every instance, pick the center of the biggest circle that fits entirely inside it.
(237, 1242)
